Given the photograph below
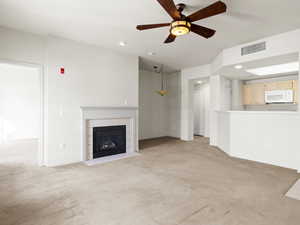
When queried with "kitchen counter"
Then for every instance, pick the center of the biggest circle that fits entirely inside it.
(271, 137)
(262, 112)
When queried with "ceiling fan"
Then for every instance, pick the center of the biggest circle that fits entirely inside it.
(182, 24)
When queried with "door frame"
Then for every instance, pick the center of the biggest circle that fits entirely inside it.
(41, 137)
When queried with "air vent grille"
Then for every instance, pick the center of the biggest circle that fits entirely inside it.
(254, 48)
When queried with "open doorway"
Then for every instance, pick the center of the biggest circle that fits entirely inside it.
(201, 96)
(20, 114)
(159, 105)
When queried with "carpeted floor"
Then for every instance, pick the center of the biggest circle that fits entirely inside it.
(170, 183)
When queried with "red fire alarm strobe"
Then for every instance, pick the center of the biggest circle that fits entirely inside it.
(62, 71)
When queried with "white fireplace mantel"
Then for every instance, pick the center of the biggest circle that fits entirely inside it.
(104, 116)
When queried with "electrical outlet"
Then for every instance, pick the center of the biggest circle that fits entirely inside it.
(62, 146)
(125, 102)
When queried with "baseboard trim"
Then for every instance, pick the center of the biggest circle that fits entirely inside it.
(157, 138)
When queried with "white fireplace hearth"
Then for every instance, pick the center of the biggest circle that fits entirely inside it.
(104, 117)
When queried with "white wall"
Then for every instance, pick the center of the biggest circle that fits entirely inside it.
(268, 137)
(187, 84)
(19, 102)
(159, 116)
(198, 111)
(225, 94)
(220, 100)
(173, 104)
(237, 95)
(201, 109)
(22, 47)
(281, 44)
(214, 82)
(276, 45)
(224, 131)
(94, 77)
(153, 118)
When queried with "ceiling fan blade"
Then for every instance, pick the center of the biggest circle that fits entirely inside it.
(170, 39)
(152, 26)
(170, 8)
(202, 31)
(212, 10)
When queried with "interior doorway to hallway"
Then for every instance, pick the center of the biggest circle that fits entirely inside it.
(201, 101)
(20, 114)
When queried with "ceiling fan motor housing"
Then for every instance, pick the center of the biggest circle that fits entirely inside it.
(180, 7)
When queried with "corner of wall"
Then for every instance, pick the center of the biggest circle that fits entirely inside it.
(217, 63)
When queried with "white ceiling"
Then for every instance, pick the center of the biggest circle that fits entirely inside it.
(106, 23)
(149, 64)
(241, 74)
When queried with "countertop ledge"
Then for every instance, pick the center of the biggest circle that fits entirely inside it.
(262, 112)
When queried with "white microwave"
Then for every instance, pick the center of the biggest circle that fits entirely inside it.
(279, 96)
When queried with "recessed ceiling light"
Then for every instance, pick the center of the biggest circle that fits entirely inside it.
(151, 53)
(199, 82)
(275, 69)
(122, 43)
(238, 67)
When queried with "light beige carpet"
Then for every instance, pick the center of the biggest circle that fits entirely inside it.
(170, 183)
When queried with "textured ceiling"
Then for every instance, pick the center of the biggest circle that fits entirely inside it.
(106, 23)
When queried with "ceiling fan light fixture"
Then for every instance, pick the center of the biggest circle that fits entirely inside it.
(183, 24)
(180, 27)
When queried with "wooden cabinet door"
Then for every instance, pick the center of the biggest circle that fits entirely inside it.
(247, 96)
(296, 91)
(258, 92)
(285, 85)
(254, 94)
(280, 85)
(270, 86)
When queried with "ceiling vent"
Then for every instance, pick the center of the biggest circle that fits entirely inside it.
(254, 48)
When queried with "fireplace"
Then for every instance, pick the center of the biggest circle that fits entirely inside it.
(110, 140)
(117, 118)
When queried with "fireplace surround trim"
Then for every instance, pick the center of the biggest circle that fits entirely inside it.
(106, 115)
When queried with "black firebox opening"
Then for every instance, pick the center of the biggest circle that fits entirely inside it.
(109, 141)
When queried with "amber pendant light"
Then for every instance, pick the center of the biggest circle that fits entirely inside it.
(162, 91)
